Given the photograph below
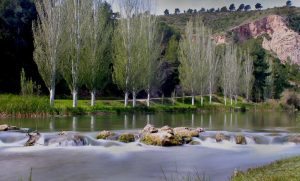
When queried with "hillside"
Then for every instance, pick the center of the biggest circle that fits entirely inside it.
(221, 22)
(278, 27)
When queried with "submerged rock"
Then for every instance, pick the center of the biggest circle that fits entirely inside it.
(240, 140)
(67, 139)
(105, 135)
(126, 138)
(294, 139)
(194, 143)
(33, 139)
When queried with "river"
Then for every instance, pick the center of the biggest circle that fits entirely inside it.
(266, 135)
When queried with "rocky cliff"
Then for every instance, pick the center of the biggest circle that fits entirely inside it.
(277, 37)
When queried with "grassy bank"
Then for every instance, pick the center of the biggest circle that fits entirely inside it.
(283, 170)
(32, 106)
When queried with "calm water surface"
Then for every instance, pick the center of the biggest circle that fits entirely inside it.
(113, 161)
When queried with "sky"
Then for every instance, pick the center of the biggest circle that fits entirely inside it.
(207, 4)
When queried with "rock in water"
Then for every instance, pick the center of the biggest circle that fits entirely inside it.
(149, 129)
(186, 133)
(4, 127)
(126, 138)
(167, 129)
(161, 139)
(194, 143)
(240, 140)
(220, 137)
(33, 138)
(105, 135)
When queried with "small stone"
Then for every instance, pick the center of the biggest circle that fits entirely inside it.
(194, 143)
(220, 137)
(240, 140)
(4, 127)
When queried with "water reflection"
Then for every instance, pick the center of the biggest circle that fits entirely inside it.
(210, 121)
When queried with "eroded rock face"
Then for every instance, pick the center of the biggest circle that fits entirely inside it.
(277, 37)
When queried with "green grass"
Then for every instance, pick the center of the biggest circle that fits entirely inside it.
(29, 106)
(283, 170)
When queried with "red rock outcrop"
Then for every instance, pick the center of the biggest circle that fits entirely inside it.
(277, 37)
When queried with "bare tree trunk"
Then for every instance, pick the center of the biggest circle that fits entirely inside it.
(201, 100)
(148, 99)
(75, 98)
(225, 100)
(93, 97)
(126, 99)
(52, 94)
(210, 92)
(230, 100)
(133, 99)
(193, 100)
(236, 99)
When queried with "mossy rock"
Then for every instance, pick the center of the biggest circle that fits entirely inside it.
(105, 134)
(162, 139)
(126, 138)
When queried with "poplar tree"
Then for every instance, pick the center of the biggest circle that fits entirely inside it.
(47, 32)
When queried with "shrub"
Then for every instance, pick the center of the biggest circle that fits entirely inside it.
(293, 100)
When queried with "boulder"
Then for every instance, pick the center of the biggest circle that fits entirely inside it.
(4, 127)
(149, 128)
(186, 133)
(105, 135)
(126, 138)
(33, 139)
(220, 137)
(162, 139)
(240, 140)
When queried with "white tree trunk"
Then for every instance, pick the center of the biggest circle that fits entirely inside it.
(225, 100)
(230, 100)
(236, 99)
(133, 99)
(126, 99)
(52, 94)
(93, 98)
(148, 100)
(201, 100)
(75, 98)
(210, 92)
(193, 100)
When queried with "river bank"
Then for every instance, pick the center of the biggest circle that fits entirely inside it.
(35, 106)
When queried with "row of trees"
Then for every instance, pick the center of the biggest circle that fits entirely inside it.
(231, 7)
(203, 68)
(71, 38)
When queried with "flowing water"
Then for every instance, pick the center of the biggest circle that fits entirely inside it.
(267, 136)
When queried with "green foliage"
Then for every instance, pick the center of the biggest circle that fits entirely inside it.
(261, 67)
(28, 87)
(280, 78)
(172, 49)
(294, 21)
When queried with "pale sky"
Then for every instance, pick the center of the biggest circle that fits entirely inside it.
(207, 4)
